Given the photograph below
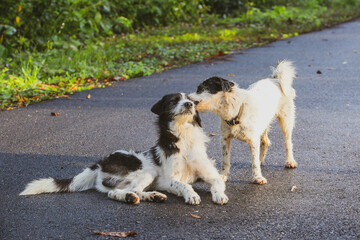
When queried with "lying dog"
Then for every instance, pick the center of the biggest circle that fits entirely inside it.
(247, 114)
(178, 159)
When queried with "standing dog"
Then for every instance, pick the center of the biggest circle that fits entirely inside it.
(178, 160)
(247, 114)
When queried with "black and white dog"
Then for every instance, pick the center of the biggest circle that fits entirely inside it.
(178, 160)
(246, 114)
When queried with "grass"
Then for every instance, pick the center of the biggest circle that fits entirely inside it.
(30, 77)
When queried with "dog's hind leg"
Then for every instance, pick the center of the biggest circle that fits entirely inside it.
(152, 196)
(225, 172)
(264, 144)
(124, 196)
(287, 123)
(255, 163)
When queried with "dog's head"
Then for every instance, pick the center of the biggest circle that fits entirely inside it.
(212, 93)
(177, 106)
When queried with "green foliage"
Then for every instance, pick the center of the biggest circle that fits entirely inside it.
(58, 47)
(71, 24)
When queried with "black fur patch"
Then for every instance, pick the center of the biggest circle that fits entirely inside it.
(197, 119)
(63, 184)
(166, 104)
(167, 141)
(214, 85)
(120, 164)
(94, 167)
(155, 157)
(109, 182)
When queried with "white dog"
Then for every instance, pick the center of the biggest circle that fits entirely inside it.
(178, 160)
(247, 114)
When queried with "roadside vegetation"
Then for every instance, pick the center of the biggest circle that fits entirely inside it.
(54, 48)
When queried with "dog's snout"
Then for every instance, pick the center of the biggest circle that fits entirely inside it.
(188, 104)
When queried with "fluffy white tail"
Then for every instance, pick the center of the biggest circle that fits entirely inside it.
(83, 181)
(285, 74)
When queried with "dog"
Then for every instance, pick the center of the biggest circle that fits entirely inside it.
(246, 114)
(177, 160)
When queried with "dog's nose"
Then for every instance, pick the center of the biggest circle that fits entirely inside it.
(188, 104)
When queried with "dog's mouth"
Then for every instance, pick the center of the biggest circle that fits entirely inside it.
(187, 112)
(202, 107)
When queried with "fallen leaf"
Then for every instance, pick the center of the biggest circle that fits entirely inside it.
(344, 62)
(21, 100)
(55, 114)
(231, 75)
(355, 51)
(116, 234)
(195, 216)
(165, 80)
(318, 72)
(325, 40)
(36, 97)
(119, 78)
(212, 134)
(88, 96)
(293, 188)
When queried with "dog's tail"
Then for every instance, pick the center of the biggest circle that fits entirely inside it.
(81, 182)
(285, 74)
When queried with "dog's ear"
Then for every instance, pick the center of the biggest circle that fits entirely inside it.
(197, 119)
(226, 85)
(158, 107)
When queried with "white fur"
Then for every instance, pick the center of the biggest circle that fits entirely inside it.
(262, 102)
(44, 185)
(175, 173)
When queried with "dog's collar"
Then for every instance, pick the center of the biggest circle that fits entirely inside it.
(236, 120)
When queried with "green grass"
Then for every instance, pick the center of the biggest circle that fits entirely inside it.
(30, 77)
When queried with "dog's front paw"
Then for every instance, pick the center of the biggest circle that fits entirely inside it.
(193, 199)
(158, 197)
(220, 198)
(291, 164)
(260, 180)
(132, 198)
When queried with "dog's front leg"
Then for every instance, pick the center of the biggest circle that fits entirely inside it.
(211, 176)
(225, 172)
(255, 163)
(185, 190)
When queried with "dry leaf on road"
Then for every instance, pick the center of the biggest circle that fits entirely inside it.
(116, 234)
(195, 216)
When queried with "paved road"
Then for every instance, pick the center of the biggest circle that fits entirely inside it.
(324, 205)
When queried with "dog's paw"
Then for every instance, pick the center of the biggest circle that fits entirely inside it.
(158, 197)
(193, 199)
(132, 198)
(220, 198)
(260, 180)
(291, 164)
(224, 178)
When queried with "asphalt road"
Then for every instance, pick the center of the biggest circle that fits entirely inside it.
(324, 205)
